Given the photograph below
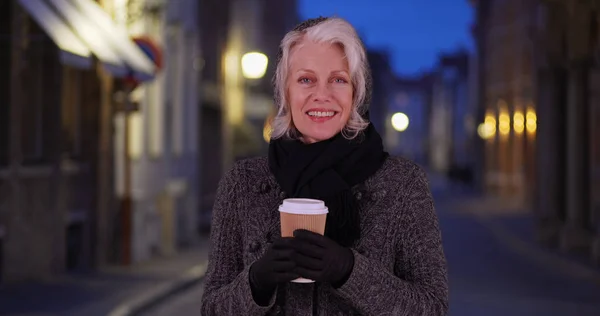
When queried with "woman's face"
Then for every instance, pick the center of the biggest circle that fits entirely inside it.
(319, 90)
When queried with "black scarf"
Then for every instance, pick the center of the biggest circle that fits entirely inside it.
(327, 170)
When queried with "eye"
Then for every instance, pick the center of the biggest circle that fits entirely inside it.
(340, 80)
(304, 80)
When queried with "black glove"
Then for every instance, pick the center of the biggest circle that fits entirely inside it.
(321, 259)
(275, 267)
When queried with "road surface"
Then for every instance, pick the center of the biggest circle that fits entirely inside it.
(487, 277)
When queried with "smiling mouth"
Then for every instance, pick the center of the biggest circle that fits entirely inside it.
(321, 114)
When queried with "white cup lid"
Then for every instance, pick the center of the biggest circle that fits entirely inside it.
(303, 206)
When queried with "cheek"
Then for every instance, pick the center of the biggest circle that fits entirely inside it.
(344, 98)
(296, 101)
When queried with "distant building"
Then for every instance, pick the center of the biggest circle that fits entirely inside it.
(547, 73)
(409, 97)
(383, 88)
(507, 88)
(451, 124)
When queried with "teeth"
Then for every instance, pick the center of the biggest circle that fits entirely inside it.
(321, 114)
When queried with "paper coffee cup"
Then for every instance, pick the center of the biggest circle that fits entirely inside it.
(306, 214)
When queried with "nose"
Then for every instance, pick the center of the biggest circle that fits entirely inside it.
(322, 92)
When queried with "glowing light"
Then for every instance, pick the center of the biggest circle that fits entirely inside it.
(254, 65)
(136, 135)
(487, 129)
(267, 132)
(504, 124)
(531, 123)
(518, 122)
(400, 121)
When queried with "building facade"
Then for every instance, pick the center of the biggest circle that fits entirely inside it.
(156, 145)
(452, 122)
(409, 97)
(234, 109)
(383, 89)
(507, 85)
(551, 59)
(568, 194)
(56, 190)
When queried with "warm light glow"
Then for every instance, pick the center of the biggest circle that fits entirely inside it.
(400, 122)
(233, 92)
(254, 65)
(230, 66)
(531, 123)
(518, 122)
(267, 130)
(504, 124)
(136, 135)
(487, 129)
(503, 118)
(120, 12)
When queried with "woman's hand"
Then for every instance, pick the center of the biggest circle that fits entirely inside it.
(321, 259)
(275, 267)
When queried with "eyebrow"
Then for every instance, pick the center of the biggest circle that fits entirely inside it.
(333, 72)
(344, 72)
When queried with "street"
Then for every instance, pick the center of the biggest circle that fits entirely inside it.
(487, 277)
(120, 121)
(186, 303)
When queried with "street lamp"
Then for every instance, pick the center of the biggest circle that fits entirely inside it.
(400, 121)
(254, 65)
(487, 129)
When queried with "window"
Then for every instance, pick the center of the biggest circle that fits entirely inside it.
(71, 112)
(81, 102)
(39, 97)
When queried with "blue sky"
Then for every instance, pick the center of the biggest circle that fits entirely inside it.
(414, 32)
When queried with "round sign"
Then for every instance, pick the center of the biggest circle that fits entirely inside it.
(150, 49)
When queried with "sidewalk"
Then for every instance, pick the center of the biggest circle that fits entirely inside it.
(114, 291)
(497, 268)
(515, 227)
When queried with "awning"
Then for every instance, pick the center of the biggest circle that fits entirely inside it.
(91, 35)
(118, 38)
(90, 26)
(73, 51)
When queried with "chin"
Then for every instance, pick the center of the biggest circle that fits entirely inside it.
(319, 137)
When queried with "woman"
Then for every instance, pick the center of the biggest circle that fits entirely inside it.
(381, 253)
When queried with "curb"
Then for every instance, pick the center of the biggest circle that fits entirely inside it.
(160, 293)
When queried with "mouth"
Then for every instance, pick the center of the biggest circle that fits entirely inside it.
(321, 115)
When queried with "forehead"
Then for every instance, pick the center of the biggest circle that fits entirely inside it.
(307, 53)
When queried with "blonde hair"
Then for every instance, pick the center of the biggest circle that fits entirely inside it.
(323, 30)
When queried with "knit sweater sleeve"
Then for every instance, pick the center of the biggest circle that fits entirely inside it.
(227, 286)
(418, 284)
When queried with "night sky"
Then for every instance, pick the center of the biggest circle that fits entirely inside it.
(413, 31)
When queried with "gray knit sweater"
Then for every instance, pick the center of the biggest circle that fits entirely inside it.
(399, 269)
